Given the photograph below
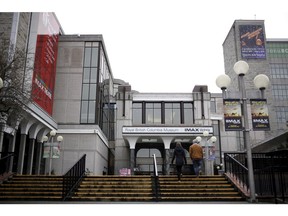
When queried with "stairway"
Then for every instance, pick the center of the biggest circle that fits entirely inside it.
(115, 188)
(204, 188)
(32, 188)
(140, 188)
(122, 189)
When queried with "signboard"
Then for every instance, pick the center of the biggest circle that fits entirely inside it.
(252, 42)
(166, 130)
(45, 61)
(259, 112)
(232, 115)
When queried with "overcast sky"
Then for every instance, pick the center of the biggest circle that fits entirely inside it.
(162, 45)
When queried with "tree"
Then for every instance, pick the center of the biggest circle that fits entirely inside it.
(15, 71)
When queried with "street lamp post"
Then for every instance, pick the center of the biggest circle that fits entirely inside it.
(205, 135)
(261, 81)
(208, 163)
(51, 145)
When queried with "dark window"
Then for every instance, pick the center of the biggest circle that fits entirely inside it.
(89, 86)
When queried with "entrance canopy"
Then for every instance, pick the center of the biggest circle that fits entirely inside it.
(160, 134)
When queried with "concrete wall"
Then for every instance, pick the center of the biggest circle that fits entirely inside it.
(79, 138)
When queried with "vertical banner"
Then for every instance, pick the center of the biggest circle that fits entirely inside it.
(45, 61)
(232, 115)
(252, 41)
(46, 151)
(259, 112)
(55, 151)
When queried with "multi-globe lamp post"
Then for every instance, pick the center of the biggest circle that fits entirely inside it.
(208, 164)
(261, 82)
(49, 142)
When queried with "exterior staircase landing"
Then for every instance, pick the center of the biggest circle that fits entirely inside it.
(32, 188)
(138, 188)
(203, 188)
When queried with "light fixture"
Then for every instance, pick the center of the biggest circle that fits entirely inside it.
(199, 139)
(213, 139)
(261, 81)
(59, 138)
(241, 68)
(53, 133)
(223, 81)
(45, 139)
(205, 133)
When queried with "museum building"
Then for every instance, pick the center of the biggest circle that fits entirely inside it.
(117, 127)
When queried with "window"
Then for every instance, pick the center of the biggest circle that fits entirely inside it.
(281, 114)
(137, 113)
(172, 113)
(109, 121)
(280, 91)
(153, 113)
(188, 113)
(279, 71)
(157, 112)
(89, 83)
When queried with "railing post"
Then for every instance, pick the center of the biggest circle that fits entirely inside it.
(156, 178)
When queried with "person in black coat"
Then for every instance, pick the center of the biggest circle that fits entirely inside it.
(180, 156)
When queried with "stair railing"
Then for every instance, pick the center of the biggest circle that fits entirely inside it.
(156, 178)
(235, 168)
(5, 162)
(270, 173)
(73, 177)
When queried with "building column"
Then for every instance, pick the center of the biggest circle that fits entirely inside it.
(11, 148)
(132, 160)
(167, 162)
(166, 159)
(21, 154)
(132, 143)
(1, 141)
(39, 148)
(30, 156)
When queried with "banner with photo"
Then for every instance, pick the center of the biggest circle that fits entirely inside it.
(259, 112)
(232, 115)
(55, 151)
(252, 41)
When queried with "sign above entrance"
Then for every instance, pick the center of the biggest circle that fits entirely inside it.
(166, 130)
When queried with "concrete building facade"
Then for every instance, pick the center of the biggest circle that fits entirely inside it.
(117, 127)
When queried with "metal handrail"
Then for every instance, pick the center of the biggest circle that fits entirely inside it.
(238, 171)
(155, 165)
(270, 173)
(156, 178)
(5, 162)
(73, 177)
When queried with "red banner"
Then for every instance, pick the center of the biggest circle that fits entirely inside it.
(45, 61)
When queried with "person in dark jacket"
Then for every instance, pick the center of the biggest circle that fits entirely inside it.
(180, 156)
